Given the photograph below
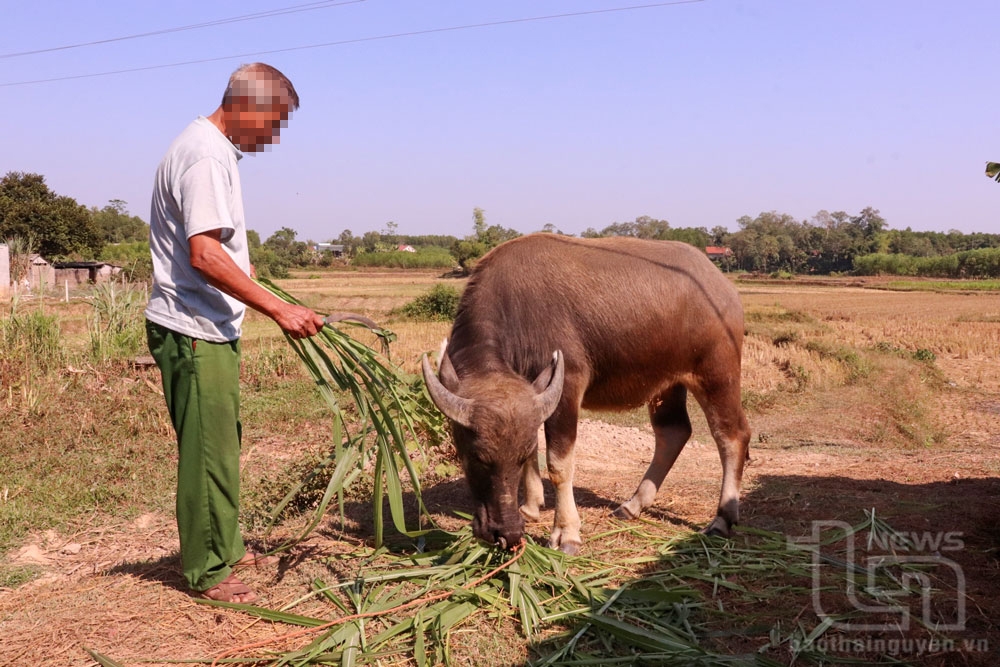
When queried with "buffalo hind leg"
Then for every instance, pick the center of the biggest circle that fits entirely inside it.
(724, 413)
(669, 417)
(560, 437)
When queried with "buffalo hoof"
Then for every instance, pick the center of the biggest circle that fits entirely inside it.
(625, 512)
(568, 548)
(569, 542)
(718, 528)
(529, 513)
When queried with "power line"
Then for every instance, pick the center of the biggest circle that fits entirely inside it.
(357, 40)
(293, 9)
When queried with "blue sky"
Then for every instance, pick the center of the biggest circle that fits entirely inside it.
(696, 113)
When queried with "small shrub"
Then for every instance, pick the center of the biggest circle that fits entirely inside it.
(266, 366)
(779, 315)
(30, 339)
(783, 338)
(857, 366)
(757, 401)
(924, 355)
(446, 470)
(885, 347)
(796, 373)
(133, 257)
(262, 495)
(116, 327)
(440, 303)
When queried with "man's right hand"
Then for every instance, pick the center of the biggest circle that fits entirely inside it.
(298, 321)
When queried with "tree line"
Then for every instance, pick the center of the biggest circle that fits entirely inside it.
(59, 225)
(772, 242)
(828, 243)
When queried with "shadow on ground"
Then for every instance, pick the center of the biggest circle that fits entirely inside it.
(938, 576)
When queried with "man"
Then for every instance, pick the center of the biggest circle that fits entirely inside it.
(201, 285)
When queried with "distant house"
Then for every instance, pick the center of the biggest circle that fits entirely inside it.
(402, 247)
(336, 248)
(718, 252)
(41, 274)
(83, 273)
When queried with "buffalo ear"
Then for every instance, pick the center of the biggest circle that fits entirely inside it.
(544, 379)
(453, 406)
(549, 385)
(448, 375)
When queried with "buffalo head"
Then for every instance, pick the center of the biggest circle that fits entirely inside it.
(495, 418)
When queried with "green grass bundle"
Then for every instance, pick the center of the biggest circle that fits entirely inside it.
(393, 417)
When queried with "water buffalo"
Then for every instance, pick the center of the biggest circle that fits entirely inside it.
(549, 325)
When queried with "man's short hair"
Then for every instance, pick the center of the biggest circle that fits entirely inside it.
(262, 84)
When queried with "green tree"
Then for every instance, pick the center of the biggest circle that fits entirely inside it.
(115, 225)
(478, 222)
(495, 235)
(133, 257)
(467, 251)
(272, 258)
(390, 239)
(267, 263)
(771, 241)
(62, 227)
(719, 235)
(287, 249)
(646, 227)
(651, 228)
(370, 242)
(424, 240)
(349, 241)
(867, 227)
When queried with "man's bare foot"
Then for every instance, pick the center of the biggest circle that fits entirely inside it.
(229, 589)
(254, 559)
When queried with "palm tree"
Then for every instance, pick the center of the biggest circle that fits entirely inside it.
(993, 170)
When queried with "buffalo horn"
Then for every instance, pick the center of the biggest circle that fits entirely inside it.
(454, 407)
(547, 401)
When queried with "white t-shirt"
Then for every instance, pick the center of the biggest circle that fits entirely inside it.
(197, 189)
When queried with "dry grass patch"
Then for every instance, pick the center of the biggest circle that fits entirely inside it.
(374, 293)
(845, 418)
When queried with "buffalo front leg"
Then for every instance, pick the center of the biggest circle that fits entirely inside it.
(560, 436)
(672, 427)
(531, 484)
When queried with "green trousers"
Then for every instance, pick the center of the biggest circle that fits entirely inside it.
(201, 382)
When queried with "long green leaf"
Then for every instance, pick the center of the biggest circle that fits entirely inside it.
(386, 404)
(103, 660)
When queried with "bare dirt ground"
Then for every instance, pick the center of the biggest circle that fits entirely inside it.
(116, 587)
